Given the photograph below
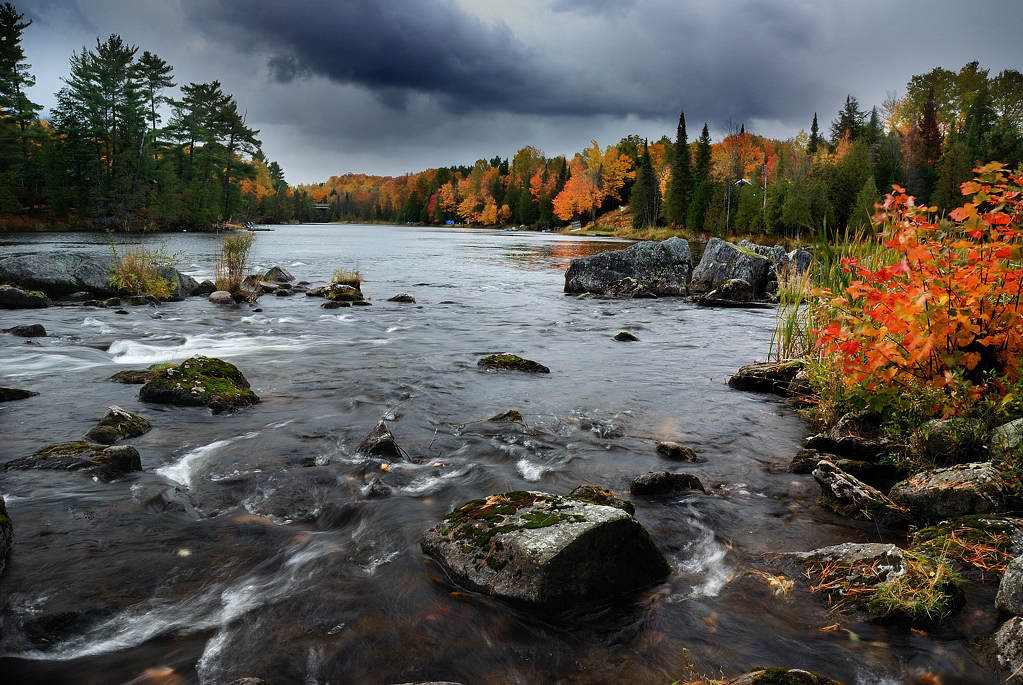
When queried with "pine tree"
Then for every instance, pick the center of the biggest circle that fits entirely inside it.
(815, 137)
(680, 188)
(980, 120)
(954, 168)
(929, 132)
(18, 114)
(702, 187)
(645, 193)
(849, 122)
(154, 75)
(863, 209)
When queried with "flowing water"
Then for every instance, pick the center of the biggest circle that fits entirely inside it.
(248, 546)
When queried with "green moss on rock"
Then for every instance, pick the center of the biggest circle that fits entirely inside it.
(199, 381)
(511, 362)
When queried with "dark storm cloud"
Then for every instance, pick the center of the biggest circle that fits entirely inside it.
(593, 6)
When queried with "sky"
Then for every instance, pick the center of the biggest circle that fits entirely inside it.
(397, 86)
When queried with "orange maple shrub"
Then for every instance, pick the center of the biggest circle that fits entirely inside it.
(946, 312)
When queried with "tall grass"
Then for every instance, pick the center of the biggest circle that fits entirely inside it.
(230, 266)
(136, 271)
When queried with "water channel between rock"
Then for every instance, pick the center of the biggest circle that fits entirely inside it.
(247, 546)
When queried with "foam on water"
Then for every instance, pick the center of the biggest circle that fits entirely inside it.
(182, 470)
(220, 346)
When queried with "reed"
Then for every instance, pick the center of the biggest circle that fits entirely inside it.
(234, 256)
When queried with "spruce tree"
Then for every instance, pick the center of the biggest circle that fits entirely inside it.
(154, 75)
(815, 137)
(680, 188)
(18, 114)
(702, 188)
(863, 208)
(980, 120)
(849, 122)
(645, 193)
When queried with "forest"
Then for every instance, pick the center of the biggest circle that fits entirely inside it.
(128, 148)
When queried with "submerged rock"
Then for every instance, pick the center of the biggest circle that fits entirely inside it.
(662, 268)
(6, 534)
(772, 377)
(11, 394)
(676, 451)
(977, 488)
(116, 425)
(722, 261)
(32, 330)
(199, 381)
(402, 297)
(782, 676)
(625, 336)
(16, 298)
(657, 483)
(510, 416)
(381, 443)
(545, 550)
(511, 362)
(103, 461)
(849, 496)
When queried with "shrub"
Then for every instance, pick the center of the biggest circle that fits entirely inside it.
(350, 277)
(230, 266)
(944, 313)
(137, 271)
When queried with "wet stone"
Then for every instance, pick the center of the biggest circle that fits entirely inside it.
(118, 424)
(676, 451)
(510, 362)
(510, 416)
(1010, 589)
(773, 377)
(625, 336)
(33, 330)
(11, 394)
(661, 483)
(199, 381)
(221, 297)
(103, 461)
(782, 676)
(381, 443)
(132, 376)
(402, 297)
(847, 495)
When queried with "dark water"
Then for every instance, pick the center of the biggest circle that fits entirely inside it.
(248, 548)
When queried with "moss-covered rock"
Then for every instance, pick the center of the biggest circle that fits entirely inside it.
(510, 416)
(959, 490)
(510, 362)
(544, 550)
(782, 676)
(116, 425)
(596, 494)
(772, 377)
(6, 534)
(103, 461)
(199, 381)
(658, 483)
(340, 292)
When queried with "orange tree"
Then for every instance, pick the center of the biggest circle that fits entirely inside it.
(944, 314)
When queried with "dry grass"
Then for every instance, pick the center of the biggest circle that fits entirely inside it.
(137, 271)
(234, 256)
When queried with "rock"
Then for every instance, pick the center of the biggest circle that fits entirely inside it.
(121, 311)
(625, 336)
(949, 441)
(978, 545)
(876, 475)
(1006, 645)
(60, 273)
(112, 302)
(510, 416)
(32, 330)
(221, 297)
(142, 300)
(182, 285)
(799, 261)
(204, 289)
(116, 425)
(103, 461)
(284, 292)
(767, 376)
(250, 681)
(849, 496)
(658, 483)
(678, 452)
(11, 394)
(199, 381)
(734, 290)
(511, 362)
(627, 289)
(1007, 438)
(16, 298)
(544, 550)
(800, 391)
(596, 494)
(266, 287)
(377, 489)
(342, 293)
(381, 443)
(723, 261)
(856, 435)
(1010, 589)
(361, 303)
(6, 534)
(402, 297)
(663, 268)
(131, 376)
(335, 305)
(278, 274)
(782, 676)
(977, 488)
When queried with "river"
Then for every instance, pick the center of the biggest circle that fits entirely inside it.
(247, 546)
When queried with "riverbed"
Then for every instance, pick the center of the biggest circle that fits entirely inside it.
(248, 545)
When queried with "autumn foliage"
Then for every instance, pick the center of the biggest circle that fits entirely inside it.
(946, 309)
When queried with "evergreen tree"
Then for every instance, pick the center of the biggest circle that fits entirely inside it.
(702, 187)
(954, 168)
(18, 114)
(676, 203)
(928, 137)
(980, 120)
(815, 137)
(154, 76)
(849, 122)
(645, 193)
(863, 208)
(703, 155)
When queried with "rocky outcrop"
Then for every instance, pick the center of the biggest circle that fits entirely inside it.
(1010, 589)
(662, 268)
(102, 461)
(847, 495)
(16, 298)
(662, 483)
(6, 534)
(204, 289)
(278, 274)
(628, 289)
(949, 441)
(722, 261)
(11, 394)
(118, 424)
(856, 436)
(381, 443)
(61, 273)
(774, 377)
(977, 488)
(402, 297)
(732, 290)
(510, 362)
(199, 381)
(545, 550)
(677, 452)
(32, 330)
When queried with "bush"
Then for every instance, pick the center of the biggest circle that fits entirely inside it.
(230, 266)
(137, 271)
(350, 277)
(945, 312)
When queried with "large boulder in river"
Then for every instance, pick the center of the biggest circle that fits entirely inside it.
(722, 261)
(32, 330)
(199, 381)
(978, 488)
(102, 461)
(6, 534)
(61, 273)
(774, 377)
(278, 274)
(116, 425)
(545, 550)
(16, 298)
(10, 394)
(664, 268)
